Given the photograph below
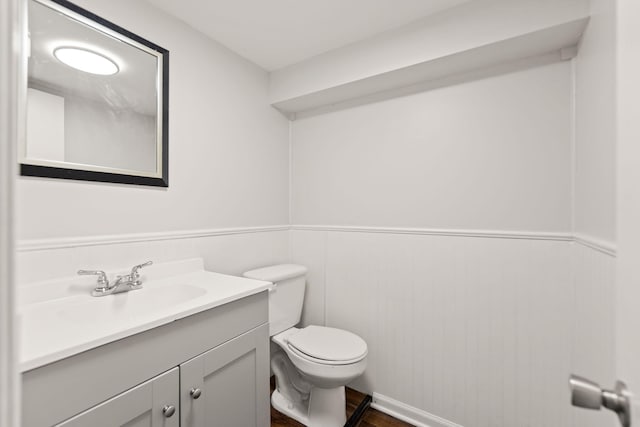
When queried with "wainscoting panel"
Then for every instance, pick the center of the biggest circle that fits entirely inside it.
(592, 351)
(309, 249)
(230, 253)
(482, 332)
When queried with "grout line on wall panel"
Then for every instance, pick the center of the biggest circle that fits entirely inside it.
(290, 172)
(324, 285)
(574, 304)
(573, 146)
(290, 193)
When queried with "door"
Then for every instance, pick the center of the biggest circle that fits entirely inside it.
(628, 202)
(627, 289)
(228, 386)
(152, 403)
(13, 77)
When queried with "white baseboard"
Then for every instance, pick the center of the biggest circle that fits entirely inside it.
(409, 414)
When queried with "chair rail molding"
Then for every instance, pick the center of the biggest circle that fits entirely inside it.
(594, 243)
(498, 234)
(28, 245)
(599, 245)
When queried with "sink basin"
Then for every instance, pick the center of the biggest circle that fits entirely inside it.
(130, 304)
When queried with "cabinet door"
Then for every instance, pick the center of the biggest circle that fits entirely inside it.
(228, 386)
(141, 406)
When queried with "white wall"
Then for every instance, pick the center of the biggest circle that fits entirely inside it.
(228, 148)
(484, 330)
(595, 116)
(488, 154)
(228, 168)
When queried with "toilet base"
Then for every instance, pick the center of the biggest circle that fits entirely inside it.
(298, 411)
(327, 407)
(324, 408)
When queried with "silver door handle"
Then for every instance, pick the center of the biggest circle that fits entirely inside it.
(587, 394)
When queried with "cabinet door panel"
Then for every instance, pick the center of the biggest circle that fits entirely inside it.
(139, 407)
(234, 382)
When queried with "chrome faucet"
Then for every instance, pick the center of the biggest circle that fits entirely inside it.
(128, 282)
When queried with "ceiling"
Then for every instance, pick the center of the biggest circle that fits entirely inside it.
(277, 33)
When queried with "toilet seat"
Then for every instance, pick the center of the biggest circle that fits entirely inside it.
(322, 361)
(328, 346)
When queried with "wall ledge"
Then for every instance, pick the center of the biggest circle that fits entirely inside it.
(472, 38)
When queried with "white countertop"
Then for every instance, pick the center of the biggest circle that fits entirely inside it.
(60, 318)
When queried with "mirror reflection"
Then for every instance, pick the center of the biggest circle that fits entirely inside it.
(95, 100)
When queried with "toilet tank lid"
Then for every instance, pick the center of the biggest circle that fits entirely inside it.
(277, 273)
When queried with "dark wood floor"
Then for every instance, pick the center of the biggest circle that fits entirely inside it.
(371, 418)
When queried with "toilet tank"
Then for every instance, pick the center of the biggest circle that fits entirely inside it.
(287, 295)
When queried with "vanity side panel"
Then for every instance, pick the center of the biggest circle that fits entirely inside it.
(65, 388)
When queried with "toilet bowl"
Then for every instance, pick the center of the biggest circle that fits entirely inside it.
(312, 364)
(326, 357)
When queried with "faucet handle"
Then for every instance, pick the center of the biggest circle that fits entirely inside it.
(103, 282)
(134, 271)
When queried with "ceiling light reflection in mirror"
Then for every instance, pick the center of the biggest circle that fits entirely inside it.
(86, 60)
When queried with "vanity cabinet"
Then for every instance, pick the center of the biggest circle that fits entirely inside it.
(222, 353)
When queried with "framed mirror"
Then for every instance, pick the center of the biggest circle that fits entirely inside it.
(97, 101)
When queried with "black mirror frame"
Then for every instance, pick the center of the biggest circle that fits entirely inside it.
(84, 175)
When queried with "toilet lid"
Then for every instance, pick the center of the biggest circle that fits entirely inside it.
(329, 344)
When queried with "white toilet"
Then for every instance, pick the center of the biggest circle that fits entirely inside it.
(316, 361)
